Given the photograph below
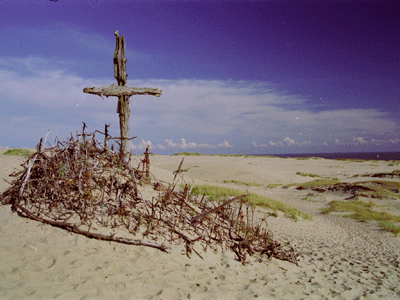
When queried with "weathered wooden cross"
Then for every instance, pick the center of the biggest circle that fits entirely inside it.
(122, 92)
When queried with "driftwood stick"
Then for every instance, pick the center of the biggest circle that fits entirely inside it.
(192, 207)
(177, 231)
(179, 169)
(201, 216)
(28, 173)
(73, 228)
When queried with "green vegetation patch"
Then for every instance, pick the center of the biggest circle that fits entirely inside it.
(220, 193)
(243, 183)
(238, 155)
(350, 159)
(286, 186)
(394, 174)
(380, 189)
(189, 154)
(390, 227)
(368, 189)
(18, 152)
(356, 160)
(305, 158)
(274, 185)
(355, 206)
(307, 174)
(362, 211)
(317, 183)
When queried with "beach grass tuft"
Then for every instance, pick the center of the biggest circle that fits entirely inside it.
(362, 211)
(219, 193)
(18, 152)
(243, 183)
(352, 159)
(356, 206)
(308, 174)
(189, 154)
(238, 155)
(319, 183)
(390, 227)
(381, 189)
(274, 185)
(315, 183)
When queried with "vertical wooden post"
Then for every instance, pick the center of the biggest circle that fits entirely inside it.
(147, 161)
(106, 135)
(123, 109)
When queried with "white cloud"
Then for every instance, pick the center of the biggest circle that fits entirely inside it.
(306, 143)
(182, 145)
(259, 145)
(359, 140)
(289, 141)
(377, 141)
(142, 145)
(224, 144)
(278, 144)
(206, 146)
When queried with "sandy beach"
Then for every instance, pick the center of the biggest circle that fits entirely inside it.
(340, 258)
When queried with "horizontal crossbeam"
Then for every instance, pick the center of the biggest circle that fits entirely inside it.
(116, 91)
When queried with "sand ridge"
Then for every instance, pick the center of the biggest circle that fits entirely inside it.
(340, 257)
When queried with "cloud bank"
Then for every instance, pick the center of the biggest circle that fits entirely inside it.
(209, 115)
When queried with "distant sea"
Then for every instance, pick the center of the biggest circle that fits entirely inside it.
(346, 155)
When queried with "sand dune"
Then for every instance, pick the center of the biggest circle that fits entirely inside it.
(340, 257)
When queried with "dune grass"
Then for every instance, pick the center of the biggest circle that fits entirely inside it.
(314, 183)
(239, 155)
(315, 176)
(362, 211)
(216, 193)
(378, 189)
(274, 185)
(189, 154)
(243, 183)
(18, 152)
(352, 159)
(318, 182)
(381, 189)
(308, 174)
(390, 227)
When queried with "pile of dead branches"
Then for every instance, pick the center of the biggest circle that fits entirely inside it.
(84, 187)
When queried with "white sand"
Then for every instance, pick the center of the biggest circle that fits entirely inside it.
(340, 258)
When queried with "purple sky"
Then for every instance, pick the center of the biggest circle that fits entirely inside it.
(266, 77)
